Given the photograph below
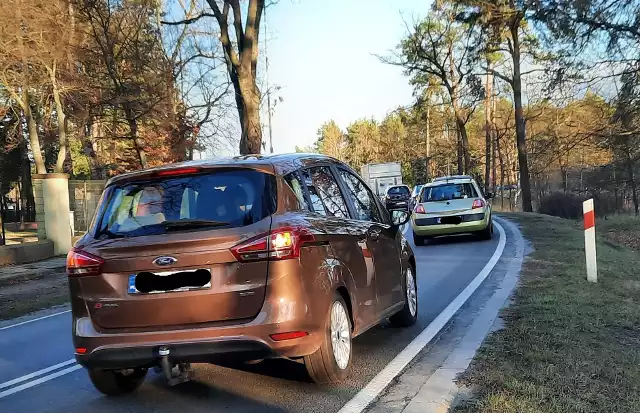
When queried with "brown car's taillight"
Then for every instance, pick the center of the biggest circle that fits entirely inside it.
(280, 244)
(80, 263)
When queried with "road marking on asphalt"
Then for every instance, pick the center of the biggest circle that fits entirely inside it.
(39, 381)
(380, 382)
(36, 373)
(33, 320)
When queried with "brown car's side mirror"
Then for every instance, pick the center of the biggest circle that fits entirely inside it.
(399, 217)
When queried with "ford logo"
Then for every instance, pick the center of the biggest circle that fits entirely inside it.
(165, 261)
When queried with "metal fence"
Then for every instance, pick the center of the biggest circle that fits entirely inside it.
(83, 201)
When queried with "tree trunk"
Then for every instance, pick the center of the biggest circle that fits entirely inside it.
(487, 129)
(137, 142)
(502, 171)
(242, 67)
(32, 128)
(26, 189)
(428, 175)
(90, 147)
(460, 151)
(251, 138)
(4, 242)
(495, 143)
(525, 184)
(633, 184)
(464, 156)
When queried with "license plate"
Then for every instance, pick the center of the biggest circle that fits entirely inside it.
(452, 220)
(131, 287)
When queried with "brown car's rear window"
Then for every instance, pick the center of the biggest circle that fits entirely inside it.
(224, 199)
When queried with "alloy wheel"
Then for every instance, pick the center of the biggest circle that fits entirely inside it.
(340, 335)
(412, 294)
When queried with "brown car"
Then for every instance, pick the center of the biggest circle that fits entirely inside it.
(250, 258)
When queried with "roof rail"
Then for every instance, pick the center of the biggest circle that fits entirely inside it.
(451, 178)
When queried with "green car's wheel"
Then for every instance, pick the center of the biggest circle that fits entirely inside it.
(419, 240)
(487, 233)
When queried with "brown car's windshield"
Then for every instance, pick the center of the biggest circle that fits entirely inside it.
(447, 192)
(228, 198)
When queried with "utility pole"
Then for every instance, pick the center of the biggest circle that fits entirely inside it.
(266, 58)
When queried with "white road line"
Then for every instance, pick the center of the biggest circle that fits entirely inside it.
(371, 391)
(36, 373)
(33, 320)
(39, 381)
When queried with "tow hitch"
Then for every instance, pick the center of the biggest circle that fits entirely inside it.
(174, 373)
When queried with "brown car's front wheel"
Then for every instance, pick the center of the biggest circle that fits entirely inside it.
(409, 313)
(331, 362)
(117, 382)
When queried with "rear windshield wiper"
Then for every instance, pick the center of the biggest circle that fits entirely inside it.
(192, 223)
(108, 234)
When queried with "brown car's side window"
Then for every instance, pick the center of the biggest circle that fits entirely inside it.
(362, 199)
(295, 183)
(324, 192)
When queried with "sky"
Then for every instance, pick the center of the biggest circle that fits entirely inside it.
(322, 55)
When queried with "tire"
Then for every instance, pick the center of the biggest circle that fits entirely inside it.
(487, 233)
(419, 240)
(117, 383)
(322, 365)
(409, 313)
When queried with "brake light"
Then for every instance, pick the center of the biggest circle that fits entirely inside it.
(420, 209)
(81, 350)
(80, 263)
(477, 203)
(288, 336)
(180, 171)
(281, 244)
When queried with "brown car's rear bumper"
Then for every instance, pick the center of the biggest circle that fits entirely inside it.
(246, 342)
(201, 352)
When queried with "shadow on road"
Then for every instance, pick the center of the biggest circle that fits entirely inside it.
(449, 240)
(197, 395)
(277, 368)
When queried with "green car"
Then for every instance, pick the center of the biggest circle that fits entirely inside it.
(451, 205)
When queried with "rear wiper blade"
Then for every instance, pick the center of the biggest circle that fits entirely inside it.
(109, 234)
(193, 223)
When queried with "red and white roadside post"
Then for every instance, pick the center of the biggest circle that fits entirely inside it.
(590, 240)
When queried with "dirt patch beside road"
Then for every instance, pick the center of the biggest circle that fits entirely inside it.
(31, 287)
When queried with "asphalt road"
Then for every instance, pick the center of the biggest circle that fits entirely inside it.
(445, 267)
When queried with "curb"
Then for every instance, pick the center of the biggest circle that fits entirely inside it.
(439, 392)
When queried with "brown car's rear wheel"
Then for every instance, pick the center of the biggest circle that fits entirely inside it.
(331, 362)
(117, 382)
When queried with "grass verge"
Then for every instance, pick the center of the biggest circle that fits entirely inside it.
(567, 346)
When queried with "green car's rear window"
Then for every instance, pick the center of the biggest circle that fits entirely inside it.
(448, 192)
